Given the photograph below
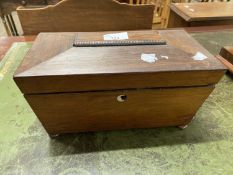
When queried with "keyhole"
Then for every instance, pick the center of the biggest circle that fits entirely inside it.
(23, 2)
(121, 98)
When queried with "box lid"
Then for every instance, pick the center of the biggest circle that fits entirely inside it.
(53, 65)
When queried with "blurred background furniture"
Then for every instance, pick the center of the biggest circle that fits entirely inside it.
(162, 9)
(9, 6)
(85, 16)
(226, 57)
(162, 150)
(200, 14)
(160, 12)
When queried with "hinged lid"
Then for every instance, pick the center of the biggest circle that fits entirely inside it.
(53, 65)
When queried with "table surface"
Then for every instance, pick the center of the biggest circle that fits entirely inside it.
(6, 42)
(203, 11)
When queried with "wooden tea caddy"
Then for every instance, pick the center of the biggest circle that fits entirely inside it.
(79, 89)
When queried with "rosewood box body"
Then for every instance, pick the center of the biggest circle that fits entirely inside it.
(79, 89)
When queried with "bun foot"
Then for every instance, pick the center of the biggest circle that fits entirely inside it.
(183, 126)
(53, 136)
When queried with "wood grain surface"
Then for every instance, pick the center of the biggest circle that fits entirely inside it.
(228, 65)
(85, 16)
(6, 42)
(98, 111)
(46, 70)
(201, 15)
(227, 53)
(209, 28)
(8, 6)
(203, 11)
(79, 89)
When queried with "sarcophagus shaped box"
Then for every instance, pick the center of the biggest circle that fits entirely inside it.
(92, 88)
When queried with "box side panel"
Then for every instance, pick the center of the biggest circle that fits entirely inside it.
(108, 110)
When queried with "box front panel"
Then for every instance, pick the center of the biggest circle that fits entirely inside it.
(121, 109)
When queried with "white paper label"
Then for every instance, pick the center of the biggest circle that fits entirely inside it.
(164, 56)
(116, 36)
(199, 56)
(150, 58)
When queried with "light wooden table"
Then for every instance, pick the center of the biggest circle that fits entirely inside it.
(200, 14)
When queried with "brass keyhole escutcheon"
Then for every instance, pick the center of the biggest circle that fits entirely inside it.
(121, 98)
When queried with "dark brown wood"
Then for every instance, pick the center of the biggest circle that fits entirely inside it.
(227, 53)
(226, 57)
(226, 63)
(47, 72)
(211, 23)
(200, 14)
(85, 16)
(8, 6)
(77, 89)
(6, 42)
(175, 21)
(203, 11)
(209, 28)
(54, 84)
(98, 111)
